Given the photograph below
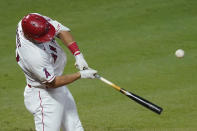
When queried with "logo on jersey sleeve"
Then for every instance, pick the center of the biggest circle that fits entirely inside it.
(47, 74)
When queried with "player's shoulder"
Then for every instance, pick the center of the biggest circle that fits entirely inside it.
(19, 27)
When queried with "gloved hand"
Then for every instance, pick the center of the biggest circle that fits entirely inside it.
(88, 73)
(80, 63)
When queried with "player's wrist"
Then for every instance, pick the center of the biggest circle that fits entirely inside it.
(78, 74)
(79, 56)
(74, 49)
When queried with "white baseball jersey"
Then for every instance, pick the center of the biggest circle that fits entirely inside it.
(40, 62)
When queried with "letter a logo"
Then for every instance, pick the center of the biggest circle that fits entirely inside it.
(46, 73)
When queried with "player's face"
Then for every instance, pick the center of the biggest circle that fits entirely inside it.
(32, 40)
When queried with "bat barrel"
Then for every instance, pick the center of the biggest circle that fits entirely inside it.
(142, 101)
(133, 96)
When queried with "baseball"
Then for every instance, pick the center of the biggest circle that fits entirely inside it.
(179, 53)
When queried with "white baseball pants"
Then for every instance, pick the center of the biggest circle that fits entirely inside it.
(52, 109)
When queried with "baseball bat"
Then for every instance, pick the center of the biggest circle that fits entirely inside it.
(149, 105)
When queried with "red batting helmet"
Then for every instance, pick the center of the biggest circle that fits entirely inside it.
(37, 28)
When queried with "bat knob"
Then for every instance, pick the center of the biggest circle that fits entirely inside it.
(96, 75)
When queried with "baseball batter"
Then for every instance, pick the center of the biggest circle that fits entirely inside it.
(42, 61)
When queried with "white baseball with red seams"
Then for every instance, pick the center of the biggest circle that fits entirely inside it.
(40, 64)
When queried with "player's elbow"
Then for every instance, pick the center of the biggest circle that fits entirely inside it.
(51, 84)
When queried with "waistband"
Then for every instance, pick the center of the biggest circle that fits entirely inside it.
(43, 87)
(62, 89)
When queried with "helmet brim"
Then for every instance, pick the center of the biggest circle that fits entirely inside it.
(48, 36)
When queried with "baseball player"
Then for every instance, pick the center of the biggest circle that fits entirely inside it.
(42, 61)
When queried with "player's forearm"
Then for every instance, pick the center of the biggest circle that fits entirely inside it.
(63, 80)
(66, 37)
(69, 41)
